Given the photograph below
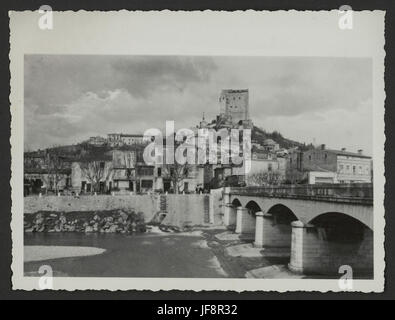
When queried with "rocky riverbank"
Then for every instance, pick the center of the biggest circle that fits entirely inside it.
(113, 221)
(109, 221)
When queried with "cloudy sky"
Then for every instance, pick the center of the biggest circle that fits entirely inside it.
(69, 98)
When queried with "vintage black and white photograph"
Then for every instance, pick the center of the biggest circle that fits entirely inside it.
(173, 166)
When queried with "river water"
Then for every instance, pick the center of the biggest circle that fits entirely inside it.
(143, 255)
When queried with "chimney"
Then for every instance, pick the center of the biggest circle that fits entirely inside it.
(360, 151)
(343, 149)
(322, 146)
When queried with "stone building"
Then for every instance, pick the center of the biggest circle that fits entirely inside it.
(190, 176)
(97, 141)
(121, 139)
(45, 172)
(38, 180)
(294, 166)
(124, 170)
(271, 145)
(120, 170)
(322, 165)
(266, 168)
(92, 174)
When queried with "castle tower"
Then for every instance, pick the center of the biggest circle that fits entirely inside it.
(234, 106)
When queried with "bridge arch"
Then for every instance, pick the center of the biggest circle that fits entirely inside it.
(274, 228)
(282, 214)
(246, 220)
(338, 220)
(236, 203)
(253, 207)
(230, 215)
(338, 239)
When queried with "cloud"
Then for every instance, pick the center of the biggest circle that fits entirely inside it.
(52, 81)
(295, 85)
(142, 76)
(69, 98)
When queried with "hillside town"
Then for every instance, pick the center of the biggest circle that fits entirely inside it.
(115, 163)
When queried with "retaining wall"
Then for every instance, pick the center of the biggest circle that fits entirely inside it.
(216, 206)
(188, 209)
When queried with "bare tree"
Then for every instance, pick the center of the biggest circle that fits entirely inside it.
(176, 173)
(96, 171)
(264, 178)
(124, 164)
(129, 163)
(52, 166)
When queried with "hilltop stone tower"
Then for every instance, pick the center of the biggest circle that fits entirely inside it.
(234, 109)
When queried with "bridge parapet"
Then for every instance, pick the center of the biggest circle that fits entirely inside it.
(351, 193)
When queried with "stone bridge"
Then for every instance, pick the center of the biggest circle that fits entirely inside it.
(324, 226)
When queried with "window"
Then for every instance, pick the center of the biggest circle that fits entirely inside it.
(309, 157)
(102, 164)
(353, 169)
(146, 171)
(159, 172)
(146, 184)
(270, 167)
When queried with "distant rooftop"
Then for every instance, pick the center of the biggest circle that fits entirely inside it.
(127, 134)
(233, 90)
(269, 142)
(349, 154)
(343, 152)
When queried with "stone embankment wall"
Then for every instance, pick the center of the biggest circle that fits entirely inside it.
(180, 209)
(188, 209)
(216, 214)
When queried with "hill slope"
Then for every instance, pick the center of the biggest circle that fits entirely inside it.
(259, 135)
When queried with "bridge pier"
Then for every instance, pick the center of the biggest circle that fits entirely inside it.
(229, 214)
(299, 258)
(269, 233)
(259, 229)
(314, 252)
(228, 209)
(245, 221)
